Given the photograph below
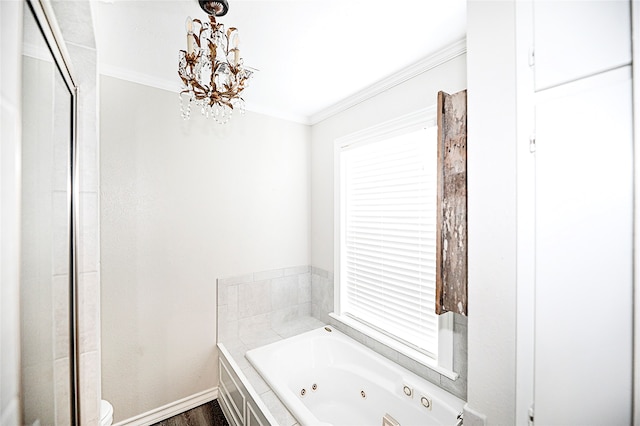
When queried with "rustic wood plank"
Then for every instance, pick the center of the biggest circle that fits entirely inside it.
(451, 225)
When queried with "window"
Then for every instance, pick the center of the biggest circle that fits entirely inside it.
(386, 188)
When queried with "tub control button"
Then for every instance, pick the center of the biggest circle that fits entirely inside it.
(426, 402)
(408, 391)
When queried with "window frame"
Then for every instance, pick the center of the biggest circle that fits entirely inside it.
(425, 117)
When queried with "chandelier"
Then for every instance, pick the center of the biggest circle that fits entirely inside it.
(211, 69)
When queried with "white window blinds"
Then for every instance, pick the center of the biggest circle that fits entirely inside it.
(388, 231)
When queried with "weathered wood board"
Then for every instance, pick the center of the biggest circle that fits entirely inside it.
(451, 228)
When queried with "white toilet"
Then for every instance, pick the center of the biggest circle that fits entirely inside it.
(106, 413)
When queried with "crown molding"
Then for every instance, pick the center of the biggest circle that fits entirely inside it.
(452, 51)
(440, 57)
(174, 86)
(140, 78)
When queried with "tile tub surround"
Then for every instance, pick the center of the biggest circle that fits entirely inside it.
(321, 294)
(248, 320)
(258, 307)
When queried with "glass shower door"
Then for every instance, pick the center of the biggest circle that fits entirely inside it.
(46, 270)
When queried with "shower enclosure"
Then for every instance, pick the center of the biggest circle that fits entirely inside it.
(48, 281)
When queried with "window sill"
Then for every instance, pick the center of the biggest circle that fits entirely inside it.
(395, 345)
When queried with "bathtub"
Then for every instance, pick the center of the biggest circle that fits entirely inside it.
(326, 378)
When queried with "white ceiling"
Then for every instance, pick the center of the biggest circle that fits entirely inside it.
(311, 54)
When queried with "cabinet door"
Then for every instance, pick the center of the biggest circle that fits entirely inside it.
(254, 416)
(233, 392)
(584, 215)
(575, 39)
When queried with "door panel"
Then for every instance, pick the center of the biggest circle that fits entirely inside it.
(575, 39)
(583, 302)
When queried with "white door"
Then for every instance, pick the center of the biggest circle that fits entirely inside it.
(583, 302)
(584, 214)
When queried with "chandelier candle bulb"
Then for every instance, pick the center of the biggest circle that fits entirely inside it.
(190, 42)
(235, 38)
(190, 37)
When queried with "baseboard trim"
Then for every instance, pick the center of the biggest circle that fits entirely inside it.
(174, 408)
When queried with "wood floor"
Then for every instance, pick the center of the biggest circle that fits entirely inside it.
(209, 414)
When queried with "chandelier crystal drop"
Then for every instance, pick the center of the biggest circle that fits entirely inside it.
(212, 72)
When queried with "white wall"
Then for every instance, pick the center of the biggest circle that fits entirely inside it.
(184, 203)
(491, 169)
(410, 96)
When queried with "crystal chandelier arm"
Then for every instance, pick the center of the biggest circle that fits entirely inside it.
(213, 50)
(199, 90)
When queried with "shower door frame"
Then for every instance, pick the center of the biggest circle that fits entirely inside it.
(47, 23)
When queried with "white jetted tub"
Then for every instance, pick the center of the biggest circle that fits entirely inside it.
(326, 378)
